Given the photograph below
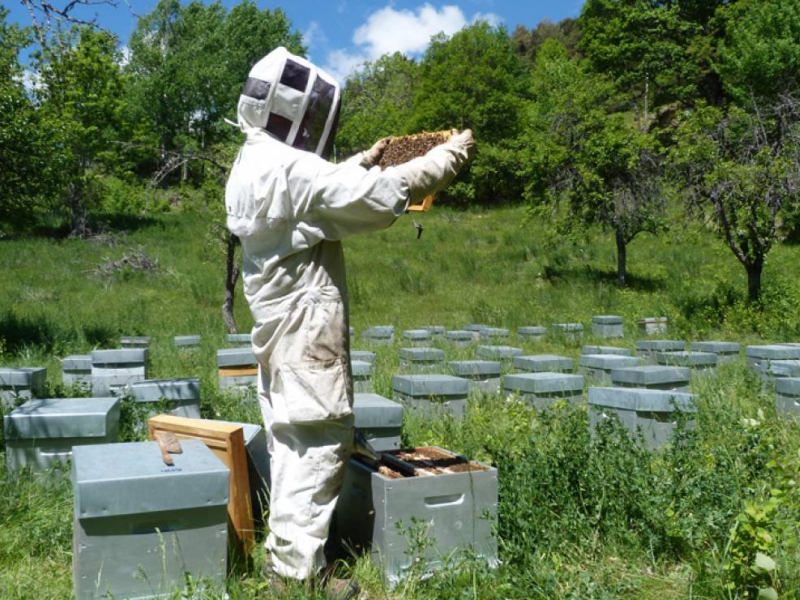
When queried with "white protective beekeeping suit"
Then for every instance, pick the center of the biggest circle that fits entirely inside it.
(290, 208)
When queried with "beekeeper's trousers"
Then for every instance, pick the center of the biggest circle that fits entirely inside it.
(305, 392)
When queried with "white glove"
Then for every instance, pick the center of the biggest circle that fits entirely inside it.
(433, 172)
(372, 157)
(465, 141)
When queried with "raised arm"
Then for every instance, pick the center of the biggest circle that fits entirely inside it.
(348, 199)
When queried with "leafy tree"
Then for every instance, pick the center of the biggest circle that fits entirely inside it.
(760, 54)
(378, 101)
(741, 162)
(472, 79)
(80, 101)
(475, 80)
(23, 148)
(584, 156)
(188, 65)
(657, 52)
(743, 170)
(527, 42)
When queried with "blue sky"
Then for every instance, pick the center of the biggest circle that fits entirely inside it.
(341, 34)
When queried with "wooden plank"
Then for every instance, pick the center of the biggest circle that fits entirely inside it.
(238, 371)
(226, 440)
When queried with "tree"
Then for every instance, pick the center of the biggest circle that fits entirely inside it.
(741, 162)
(475, 80)
(27, 170)
(188, 65)
(51, 15)
(743, 169)
(527, 42)
(759, 58)
(80, 98)
(583, 154)
(377, 101)
(657, 52)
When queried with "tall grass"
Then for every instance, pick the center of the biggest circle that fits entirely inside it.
(580, 515)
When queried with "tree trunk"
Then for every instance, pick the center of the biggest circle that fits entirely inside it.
(76, 211)
(754, 270)
(622, 260)
(231, 277)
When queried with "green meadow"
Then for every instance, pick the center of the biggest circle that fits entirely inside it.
(579, 515)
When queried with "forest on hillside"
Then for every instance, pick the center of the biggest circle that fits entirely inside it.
(632, 117)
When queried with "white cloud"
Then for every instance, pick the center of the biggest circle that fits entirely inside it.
(491, 18)
(124, 56)
(341, 63)
(388, 30)
(409, 32)
(31, 80)
(311, 33)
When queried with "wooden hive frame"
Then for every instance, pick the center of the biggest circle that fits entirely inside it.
(226, 440)
(398, 152)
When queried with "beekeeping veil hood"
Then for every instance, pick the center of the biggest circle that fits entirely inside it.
(292, 100)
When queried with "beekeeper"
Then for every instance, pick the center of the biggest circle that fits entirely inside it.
(291, 208)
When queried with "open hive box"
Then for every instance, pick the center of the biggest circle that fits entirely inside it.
(404, 148)
(453, 499)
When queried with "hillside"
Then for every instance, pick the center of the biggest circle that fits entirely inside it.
(579, 516)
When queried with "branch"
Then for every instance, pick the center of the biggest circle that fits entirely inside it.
(44, 14)
(726, 227)
(176, 160)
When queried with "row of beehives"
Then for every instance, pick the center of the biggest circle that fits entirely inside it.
(108, 372)
(140, 526)
(606, 326)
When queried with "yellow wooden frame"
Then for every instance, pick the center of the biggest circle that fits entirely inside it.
(226, 440)
(425, 206)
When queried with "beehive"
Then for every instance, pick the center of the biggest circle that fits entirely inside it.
(432, 394)
(653, 413)
(421, 360)
(597, 367)
(362, 376)
(182, 396)
(379, 419)
(455, 498)
(41, 433)
(542, 390)
(23, 383)
(483, 375)
(607, 326)
(543, 363)
(141, 526)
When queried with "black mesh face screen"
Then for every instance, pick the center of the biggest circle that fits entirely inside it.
(295, 76)
(256, 88)
(312, 127)
(279, 126)
(326, 151)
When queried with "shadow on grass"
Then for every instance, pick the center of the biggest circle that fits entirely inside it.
(122, 222)
(593, 275)
(59, 228)
(20, 332)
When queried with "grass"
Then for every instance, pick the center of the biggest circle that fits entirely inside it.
(580, 515)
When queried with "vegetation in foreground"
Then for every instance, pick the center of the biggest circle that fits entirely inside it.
(580, 516)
